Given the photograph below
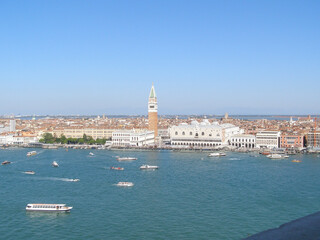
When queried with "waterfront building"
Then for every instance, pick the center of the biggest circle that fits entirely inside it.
(17, 140)
(243, 141)
(268, 139)
(164, 137)
(291, 140)
(132, 138)
(313, 139)
(202, 135)
(153, 112)
(95, 133)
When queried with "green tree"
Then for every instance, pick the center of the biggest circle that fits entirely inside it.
(63, 139)
(85, 138)
(47, 138)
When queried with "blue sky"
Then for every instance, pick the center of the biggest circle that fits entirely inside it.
(204, 57)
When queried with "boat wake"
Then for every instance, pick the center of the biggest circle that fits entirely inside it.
(234, 159)
(58, 179)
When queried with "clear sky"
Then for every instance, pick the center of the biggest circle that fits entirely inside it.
(204, 57)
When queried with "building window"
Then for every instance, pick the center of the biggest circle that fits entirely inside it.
(176, 133)
(202, 133)
(183, 133)
(190, 133)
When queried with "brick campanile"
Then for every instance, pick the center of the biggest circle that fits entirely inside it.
(153, 112)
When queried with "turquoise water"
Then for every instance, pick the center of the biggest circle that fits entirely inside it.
(191, 196)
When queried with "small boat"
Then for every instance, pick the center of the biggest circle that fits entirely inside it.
(48, 207)
(265, 153)
(217, 154)
(124, 184)
(148, 167)
(275, 156)
(29, 172)
(91, 154)
(32, 153)
(75, 180)
(5, 163)
(117, 168)
(126, 158)
(55, 164)
(296, 161)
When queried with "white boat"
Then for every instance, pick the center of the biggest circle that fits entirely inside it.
(126, 158)
(29, 172)
(55, 164)
(75, 180)
(91, 154)
(32, 153)
(217, 154)
(148, 167)
(41, 207)
(124, 184)
(275, 156)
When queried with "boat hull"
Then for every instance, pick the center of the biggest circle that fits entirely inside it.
(48, 210)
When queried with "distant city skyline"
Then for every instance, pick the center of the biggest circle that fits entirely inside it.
(204, 57)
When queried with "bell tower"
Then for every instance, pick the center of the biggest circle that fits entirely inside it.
(153, 112)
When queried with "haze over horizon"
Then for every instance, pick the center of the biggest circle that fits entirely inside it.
(204, 57)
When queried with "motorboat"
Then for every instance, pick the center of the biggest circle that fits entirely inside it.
(275, 156)
(41, 207)
(124, 184)
(126, 158)
(91, 154)
(5, 163)
(32, 153)
(148, 167)
(29, 172)
(217, 154)
(296, 161)
(265, 153)
(117, 168)
(55, 164)
(75, 180)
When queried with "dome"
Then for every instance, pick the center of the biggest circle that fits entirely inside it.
(205, 122)
(194, 122)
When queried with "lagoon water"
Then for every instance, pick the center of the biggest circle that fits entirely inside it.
(191, 196)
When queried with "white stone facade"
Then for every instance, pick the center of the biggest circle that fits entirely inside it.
(268, 139)
(243, 141)
(202, 135)
(132, 138)
(17, 140)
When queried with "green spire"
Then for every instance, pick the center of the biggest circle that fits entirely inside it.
(152, 92)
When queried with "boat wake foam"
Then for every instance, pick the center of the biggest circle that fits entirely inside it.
(57, 179)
